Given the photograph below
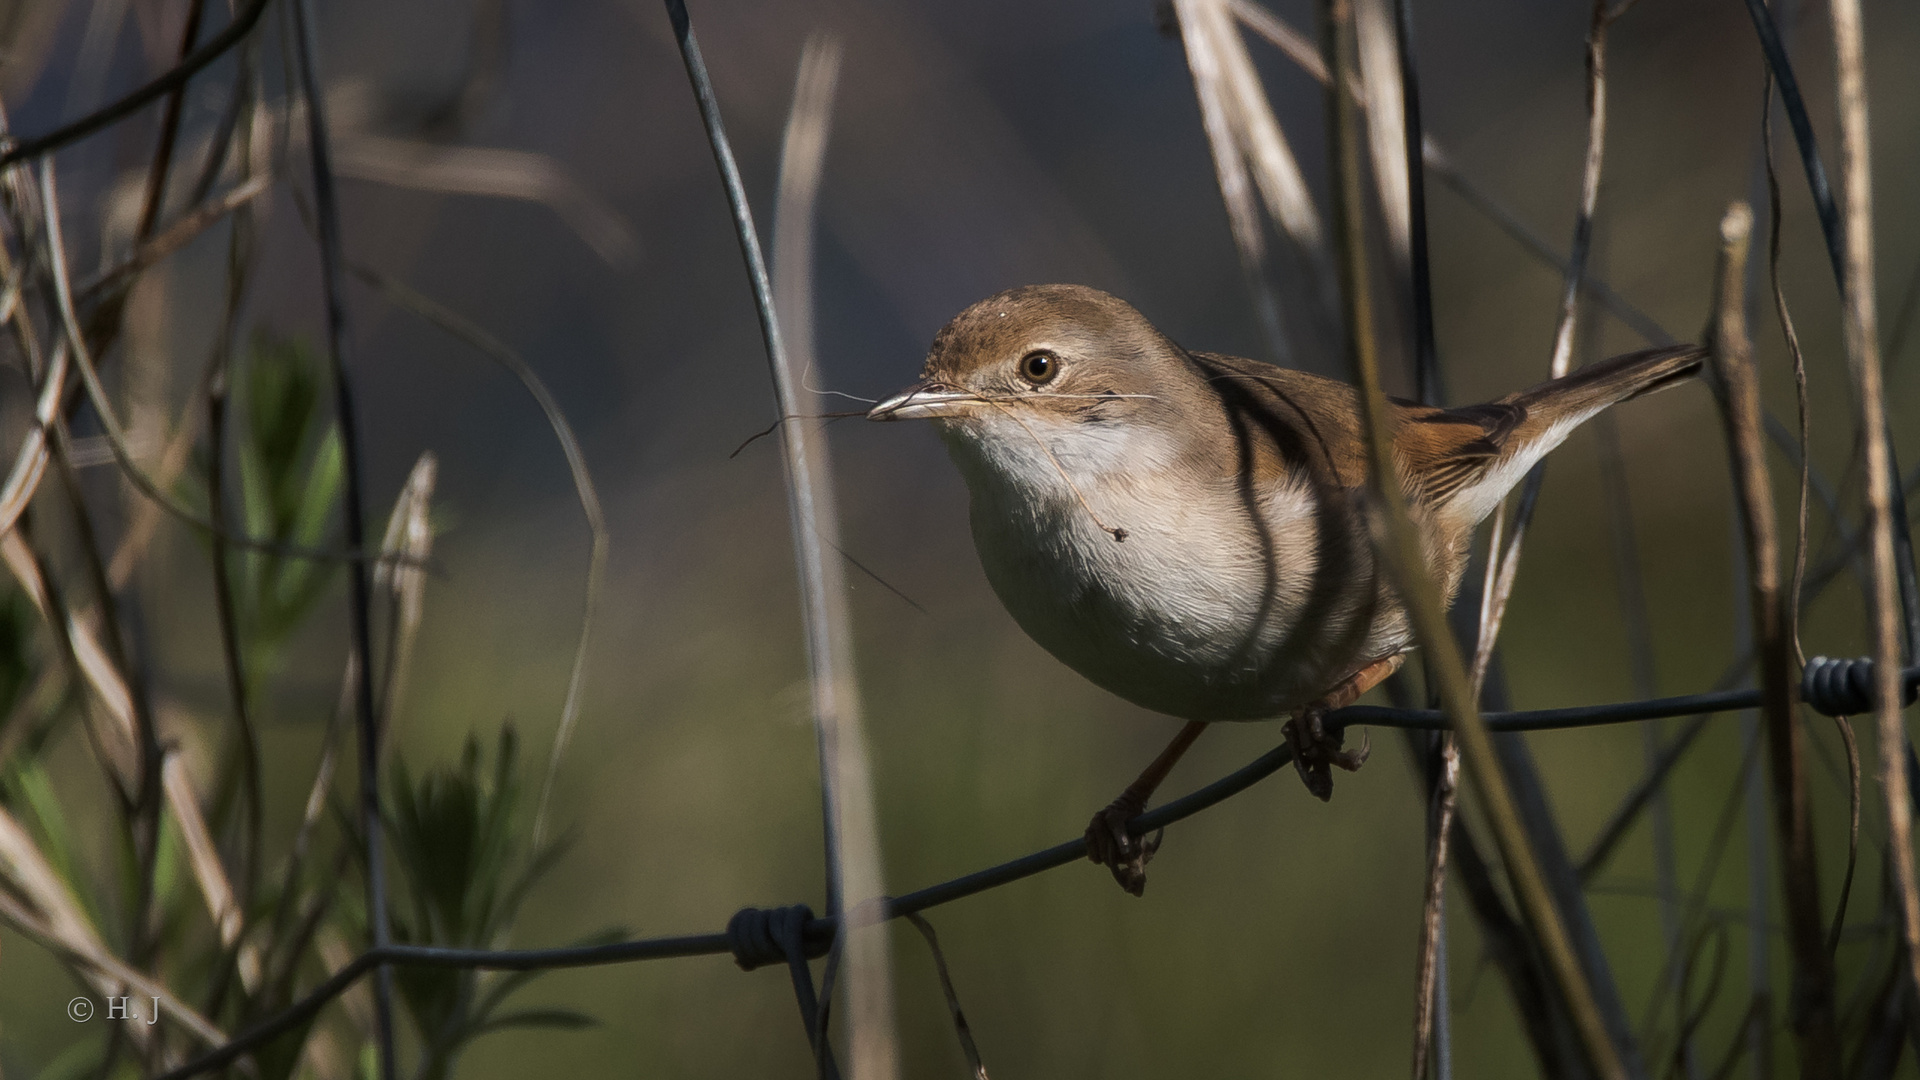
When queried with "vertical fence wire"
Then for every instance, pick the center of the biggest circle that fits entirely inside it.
(851, 826)
(367, 719)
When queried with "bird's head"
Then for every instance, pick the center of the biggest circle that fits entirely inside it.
(1061, 375)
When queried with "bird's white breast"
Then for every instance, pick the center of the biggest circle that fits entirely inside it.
(1196, 613)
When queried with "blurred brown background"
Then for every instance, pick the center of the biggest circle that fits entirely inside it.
(975, 146)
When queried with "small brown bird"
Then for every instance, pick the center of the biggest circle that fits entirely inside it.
(1189, 531)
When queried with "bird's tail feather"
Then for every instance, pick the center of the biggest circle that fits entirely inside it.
(1544, 415)
(1608, 382)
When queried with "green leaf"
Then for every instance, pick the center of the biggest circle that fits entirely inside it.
(48, 825)
(291, 473)
(300, 582)
(321, 491)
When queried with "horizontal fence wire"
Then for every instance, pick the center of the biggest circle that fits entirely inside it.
(819, 932)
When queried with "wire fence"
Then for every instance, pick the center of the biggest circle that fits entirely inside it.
(793, 936)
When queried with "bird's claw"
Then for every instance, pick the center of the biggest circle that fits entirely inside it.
(1112, 846)
(1315, 749)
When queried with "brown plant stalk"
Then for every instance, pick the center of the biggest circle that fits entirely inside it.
(1863, 357)
(1399, 548)
(1813, 1012)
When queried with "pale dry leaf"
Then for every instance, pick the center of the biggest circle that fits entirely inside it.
(1386, 122)
(488, 171)
(1229, 164)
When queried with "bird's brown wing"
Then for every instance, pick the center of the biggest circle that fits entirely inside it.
(1440, 452)
(1444, 451)
(1315, 422)
(1301, 420)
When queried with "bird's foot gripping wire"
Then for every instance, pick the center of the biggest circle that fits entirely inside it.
(1316, 750)
(1112, 846)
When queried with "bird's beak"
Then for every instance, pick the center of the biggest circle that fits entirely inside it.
(925, 400)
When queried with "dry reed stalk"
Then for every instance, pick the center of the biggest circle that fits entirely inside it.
(585, 492)
(162, 163)
(1400, 550)
(1427, 986)
(1863, 357)
(214, 386)
(30, 464)
(112, 743)
(114, 978)
(1813, 1013)
(1791, 602)
(1391, 106)
(855, 873)
(493, 173)
(1198, 36)
(258, 166)
(152, 250)
(1562, 358)
(1386, 112)
(112, 431)
(1257, 133)
(118, 741)
(95, 661)
(49, 913)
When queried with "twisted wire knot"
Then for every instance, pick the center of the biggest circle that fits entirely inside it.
(1844, 687)
(761, 936)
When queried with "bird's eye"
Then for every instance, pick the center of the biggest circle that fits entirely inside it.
(1039, 368)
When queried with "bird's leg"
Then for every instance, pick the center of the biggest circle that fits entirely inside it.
(1109, 843)
(1314, 747)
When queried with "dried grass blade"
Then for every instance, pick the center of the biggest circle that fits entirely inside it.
(114, 741)
(1562, 359)
(113, 978)
(117, 741)
(28, 870)
(491, 172)
(50, 915)
(1863, 357)
(1432, 925)
(1386, 124)
(1230, 166)
(852, 825)
(1399, 549)
(1275, 170)
(410, 536)
(175, 237)
(30, 464)
(1813, 1013)
(1298, 47)
(1199, 38)
(208, 871)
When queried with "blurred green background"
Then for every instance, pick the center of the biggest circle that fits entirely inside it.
(977, 146)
